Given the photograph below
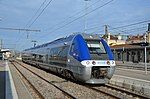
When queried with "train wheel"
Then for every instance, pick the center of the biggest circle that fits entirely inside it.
(72, 76)
(66, 73)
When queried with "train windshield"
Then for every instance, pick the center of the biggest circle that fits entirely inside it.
(97, 50)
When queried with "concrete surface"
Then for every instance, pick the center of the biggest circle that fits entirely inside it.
(135, 80)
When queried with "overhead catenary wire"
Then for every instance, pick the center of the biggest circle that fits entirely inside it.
(35, 13)
(123, 26)
(128, 31)
(111, 28)
(101, 6)
(145, 21)
(80, 17)
(143, 27)
(29, 25)
(129, 25)
(32, 19)
(40, 13)
(75, 14)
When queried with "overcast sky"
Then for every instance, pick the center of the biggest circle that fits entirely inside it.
(54, 19)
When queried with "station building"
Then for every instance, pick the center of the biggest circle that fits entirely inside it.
(5, 54)
(134, 49)
(131, 49)
(131, 53)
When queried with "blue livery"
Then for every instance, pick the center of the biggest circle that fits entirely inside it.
(82, 57)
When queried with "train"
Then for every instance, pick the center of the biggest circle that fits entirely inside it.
(83, 57)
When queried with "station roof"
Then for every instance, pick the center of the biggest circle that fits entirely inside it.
(127, 46)
(4, 50)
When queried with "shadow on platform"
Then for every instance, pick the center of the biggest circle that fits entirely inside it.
(2, 84)
(5, 86)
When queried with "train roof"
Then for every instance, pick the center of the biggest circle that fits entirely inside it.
(91, 36)
(66, 39)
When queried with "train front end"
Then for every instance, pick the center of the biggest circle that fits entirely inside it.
(94, 60)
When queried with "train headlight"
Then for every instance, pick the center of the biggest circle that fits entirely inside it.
(93, 62)
(113, 62)
(108, 62)
(87, 62)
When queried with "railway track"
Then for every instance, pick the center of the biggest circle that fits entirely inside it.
(128, 92)
(108, 90)
(36, 90)
(29, 83)
(117, 92)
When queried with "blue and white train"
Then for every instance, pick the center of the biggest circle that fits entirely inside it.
(83, 57)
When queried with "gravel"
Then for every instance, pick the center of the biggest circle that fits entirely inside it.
(47, 90)
(50, 92)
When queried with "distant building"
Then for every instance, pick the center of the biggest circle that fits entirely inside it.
(134, 49)
(130, 53)
(124, 39)
(4, 54)
(138, 38)
(148, 36)
(114, 39)
(135, 39)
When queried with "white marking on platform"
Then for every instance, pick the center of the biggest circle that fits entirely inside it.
(141, 80)
(11, 92)
(131, 70)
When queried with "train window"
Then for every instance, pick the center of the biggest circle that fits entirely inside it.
(58, 56)
(72, 47)
(40, 56)
(63, 52)
(96, 47)
(34, 57)
(54, 51)
(59, 51)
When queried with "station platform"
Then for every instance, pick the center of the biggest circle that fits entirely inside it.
(139, 65)
(133, 79)
(7, 88)
(2, 80)
(11, 87)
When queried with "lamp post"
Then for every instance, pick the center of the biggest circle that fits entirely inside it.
(145, 55)
(123, 54)
(1, 44)
(85, 18)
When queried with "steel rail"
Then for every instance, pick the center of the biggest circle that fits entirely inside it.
(51, 83)
(101, 91)
(98, 89)
(32, 86)
(127, 91)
